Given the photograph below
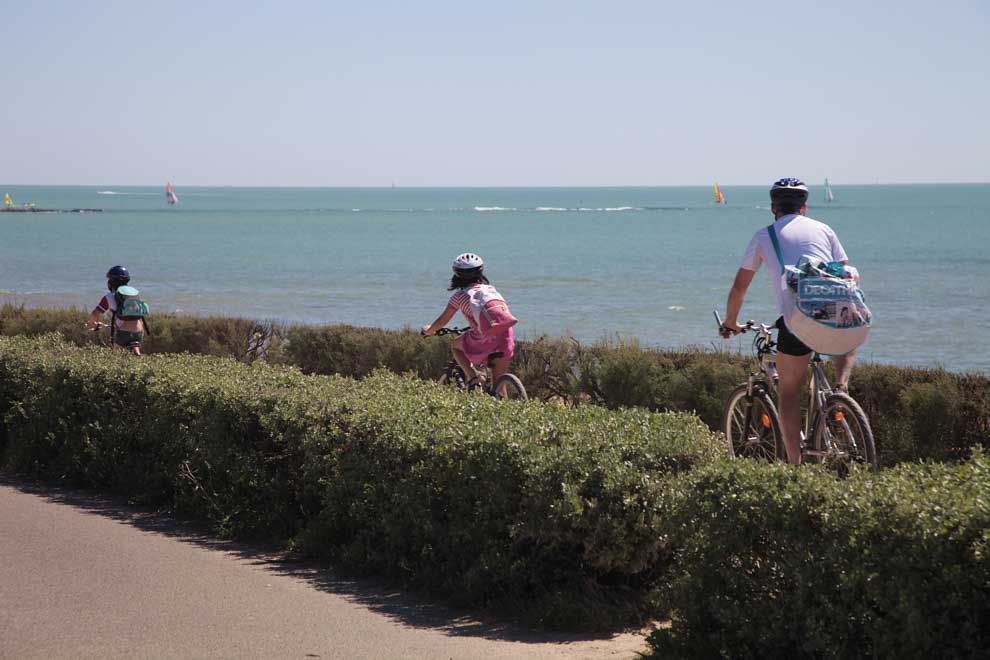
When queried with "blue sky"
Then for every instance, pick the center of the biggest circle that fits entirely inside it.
(493, 94)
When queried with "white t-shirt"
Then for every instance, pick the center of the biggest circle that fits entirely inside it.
(798, 235)
(108, 303)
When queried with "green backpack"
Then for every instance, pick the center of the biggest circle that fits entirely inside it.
(129, 305)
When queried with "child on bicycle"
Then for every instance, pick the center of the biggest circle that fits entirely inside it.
(488, 315)
(126, 329)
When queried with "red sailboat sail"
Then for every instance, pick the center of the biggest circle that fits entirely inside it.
(170, 196)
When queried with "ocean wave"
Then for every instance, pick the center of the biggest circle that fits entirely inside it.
(494, 208)
(114, 192)
(599, 209)
(610, 209)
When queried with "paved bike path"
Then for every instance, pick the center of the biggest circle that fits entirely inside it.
(83, 576)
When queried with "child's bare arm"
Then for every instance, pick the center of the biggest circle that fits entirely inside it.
(94, 317)
(440, 321)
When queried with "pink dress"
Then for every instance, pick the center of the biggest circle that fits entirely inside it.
(477, 346)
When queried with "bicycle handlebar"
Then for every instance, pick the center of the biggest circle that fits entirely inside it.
(449, 331)
(747, 326)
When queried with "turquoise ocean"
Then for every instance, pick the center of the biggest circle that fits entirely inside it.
(647, 264)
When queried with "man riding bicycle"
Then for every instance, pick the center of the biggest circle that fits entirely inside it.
(798, 235)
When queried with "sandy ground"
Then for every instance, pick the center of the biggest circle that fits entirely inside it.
(84, 576)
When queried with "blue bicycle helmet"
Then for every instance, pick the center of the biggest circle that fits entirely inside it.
(117, 276)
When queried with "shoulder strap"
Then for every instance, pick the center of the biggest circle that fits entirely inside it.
(776, 245)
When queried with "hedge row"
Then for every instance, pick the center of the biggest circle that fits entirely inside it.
(542, 510)
(916, 414)
(773, 562)
(580, 517)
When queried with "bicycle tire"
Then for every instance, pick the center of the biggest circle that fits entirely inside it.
(762, 440)
(508, 386)
(849, 432)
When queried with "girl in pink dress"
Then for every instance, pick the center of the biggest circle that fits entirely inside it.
(474, 346)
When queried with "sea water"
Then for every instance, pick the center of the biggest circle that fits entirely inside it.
(645, 264)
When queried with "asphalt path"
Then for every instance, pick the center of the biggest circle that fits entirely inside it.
(85, 576)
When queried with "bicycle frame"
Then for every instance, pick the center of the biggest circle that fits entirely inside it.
(850, 438)
(765, 352)
(764, 376)
(815, 425)
(505, 383)
(484, 369)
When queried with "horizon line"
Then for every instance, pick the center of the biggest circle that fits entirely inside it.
(474, 186)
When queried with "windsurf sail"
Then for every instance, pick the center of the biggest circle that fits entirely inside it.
(719, 197)
(170, 196)
(828, 191)
(8, 201)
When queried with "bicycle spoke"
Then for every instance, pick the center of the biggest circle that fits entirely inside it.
(750, 426)
(848, 438)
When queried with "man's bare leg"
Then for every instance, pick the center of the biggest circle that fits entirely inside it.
(791, 370)
(843, 369)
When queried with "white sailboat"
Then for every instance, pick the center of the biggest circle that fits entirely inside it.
(828, 191)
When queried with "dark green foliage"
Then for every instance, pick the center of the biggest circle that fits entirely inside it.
(779, 562)
(505, 503)
(356, 352)
(923, 413)
(915, 413)
(565, 516)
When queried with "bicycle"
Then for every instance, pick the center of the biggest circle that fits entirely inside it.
(107, 340)
(508, 386)
(835, 432)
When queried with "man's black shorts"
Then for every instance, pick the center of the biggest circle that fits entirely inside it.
(787, 343)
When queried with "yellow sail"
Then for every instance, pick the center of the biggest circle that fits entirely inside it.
(7, 200)
(719, 197)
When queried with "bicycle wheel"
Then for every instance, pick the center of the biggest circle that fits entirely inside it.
(509, 386)
(751, 425)
(848, 436)
(453, 375)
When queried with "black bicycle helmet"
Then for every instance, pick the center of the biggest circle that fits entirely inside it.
(117, 276)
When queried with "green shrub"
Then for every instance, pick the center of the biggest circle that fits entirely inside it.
(778, 562)
(915, 413)
(356, 352)
(578, 517)
(497, 502)
(242, 339)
